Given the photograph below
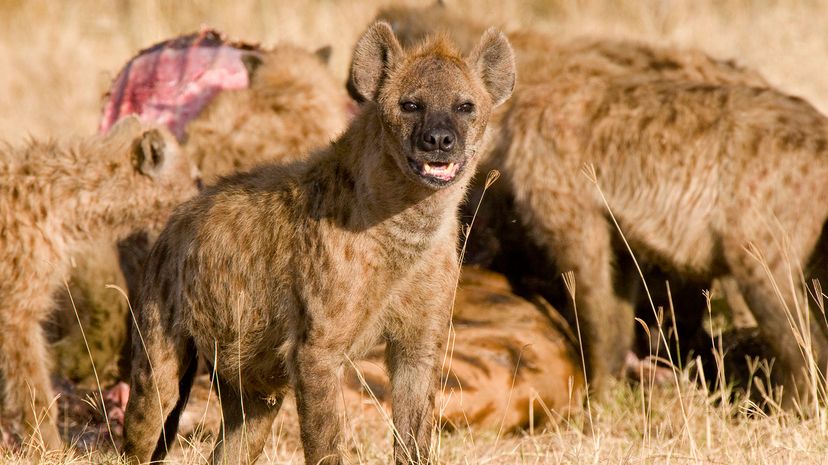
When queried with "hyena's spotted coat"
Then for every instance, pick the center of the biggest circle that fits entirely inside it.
(284, 270)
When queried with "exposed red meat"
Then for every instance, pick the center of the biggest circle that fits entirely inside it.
(172, 81)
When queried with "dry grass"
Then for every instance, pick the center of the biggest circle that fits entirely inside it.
(58, 57)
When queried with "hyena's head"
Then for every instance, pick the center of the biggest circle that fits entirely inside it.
(154, 172)
(434, 104)
(292, 89)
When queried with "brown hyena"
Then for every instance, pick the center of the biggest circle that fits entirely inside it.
(290, 106)
(281, 273)
(501, 237)
(54, 201)
(703, 179)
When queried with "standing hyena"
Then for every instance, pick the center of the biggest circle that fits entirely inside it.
(288, 269)
(731, 191)
(54, 201)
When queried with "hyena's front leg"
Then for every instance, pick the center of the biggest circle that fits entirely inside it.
(24, 377)
(413, 370)
(316, 385)
(414, 354)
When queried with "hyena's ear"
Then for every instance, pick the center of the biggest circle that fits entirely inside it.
(375, 54)
(324, 54)
(494, 62)
(251, 62)
(151, 152)
(128, 126)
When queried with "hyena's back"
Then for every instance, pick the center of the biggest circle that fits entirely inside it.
(726, 154)
(544, 57)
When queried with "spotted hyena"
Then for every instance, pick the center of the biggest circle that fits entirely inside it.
(503, 236)
(285, 270)
(275, 104)
(730, 192)
(57, 199)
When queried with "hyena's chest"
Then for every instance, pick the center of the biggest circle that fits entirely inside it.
(349, 293)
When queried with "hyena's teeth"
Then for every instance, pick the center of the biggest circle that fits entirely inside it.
(443, 171)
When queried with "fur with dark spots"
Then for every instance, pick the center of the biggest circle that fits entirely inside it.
(271, 288)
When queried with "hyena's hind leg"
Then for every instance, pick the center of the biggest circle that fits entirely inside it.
(246, 424)
(164, 363)
(789, 321)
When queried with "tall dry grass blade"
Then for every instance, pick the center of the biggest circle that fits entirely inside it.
(569, 282)
(491, 177)
(245, 437)
(509, 398)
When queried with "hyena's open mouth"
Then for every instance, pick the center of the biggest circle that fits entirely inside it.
(437, 172)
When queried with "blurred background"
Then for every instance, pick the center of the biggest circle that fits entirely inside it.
(58, 57)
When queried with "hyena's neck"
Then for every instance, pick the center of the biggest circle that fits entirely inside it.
(108, 202)
(384, 195)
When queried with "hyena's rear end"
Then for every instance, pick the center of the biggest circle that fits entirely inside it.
(281, 273)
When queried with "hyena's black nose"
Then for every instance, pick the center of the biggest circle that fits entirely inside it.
(437, 139)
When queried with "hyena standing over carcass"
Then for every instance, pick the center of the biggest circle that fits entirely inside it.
(54, 201)
(287, 269)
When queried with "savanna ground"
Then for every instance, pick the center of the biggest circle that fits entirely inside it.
(57, 58)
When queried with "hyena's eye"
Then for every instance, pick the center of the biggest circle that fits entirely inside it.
(409, 107)
(467, 107)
